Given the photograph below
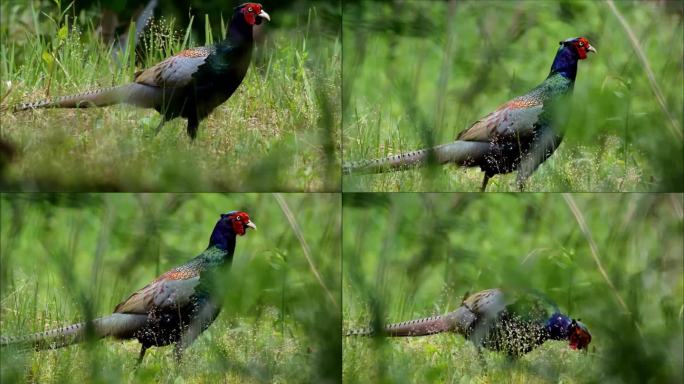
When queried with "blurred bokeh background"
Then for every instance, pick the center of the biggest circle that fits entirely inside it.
(408, 256)
(418, 72)
(63, 255)
(280, 131)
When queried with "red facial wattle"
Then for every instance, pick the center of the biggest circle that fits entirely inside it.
(238, 228)
(251, 11)
(240, 220)
(579, 338)
(583, 47)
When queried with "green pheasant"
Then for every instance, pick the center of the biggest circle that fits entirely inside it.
(518, 136)
(173, 309)
(510, 322)
(190, 84)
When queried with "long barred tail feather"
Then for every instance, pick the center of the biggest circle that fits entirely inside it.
(119, 325)
(460, 321)
(140, 95)
(419, 327)
(459, 152)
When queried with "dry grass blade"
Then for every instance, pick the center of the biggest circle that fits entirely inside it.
(675, 130)
(305, 247)
(594, 251)
(3, 106)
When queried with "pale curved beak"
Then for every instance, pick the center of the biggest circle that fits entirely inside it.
(251, 225)
(591, 49)
(264, 15)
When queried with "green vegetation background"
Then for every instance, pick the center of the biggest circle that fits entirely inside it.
(408, 256)
(64, 255)
(278, 132)
(418, 72)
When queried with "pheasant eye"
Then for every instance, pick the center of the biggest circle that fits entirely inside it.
(238, 218)
(250, 9)
(581, 44)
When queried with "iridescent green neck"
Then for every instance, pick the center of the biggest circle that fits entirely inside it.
(215, 255)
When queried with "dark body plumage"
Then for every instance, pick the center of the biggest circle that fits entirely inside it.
(497, 320)
(518, 136)
(190, 84)
(174, 309)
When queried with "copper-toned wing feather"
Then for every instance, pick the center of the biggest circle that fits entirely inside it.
(487, 303)
(517, 117)
(176, 71)
(170, 290)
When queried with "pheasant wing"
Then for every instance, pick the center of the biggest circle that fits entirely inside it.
(173, 289)
(176, 71)
(517, 118)
(486, 305)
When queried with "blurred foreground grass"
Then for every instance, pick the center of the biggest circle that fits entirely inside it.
(279, 131)
(409, 256)
(417, 72)
(62, 254)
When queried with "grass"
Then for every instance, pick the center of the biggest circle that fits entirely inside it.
(448, 358)
(612, 260)
(67, 255)
(413, 81)
(279, 131)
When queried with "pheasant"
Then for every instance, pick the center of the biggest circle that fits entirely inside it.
(175, 308)
(190, 84)
(517, 136)
(500, 321)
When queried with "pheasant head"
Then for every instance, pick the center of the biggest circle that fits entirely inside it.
(580, 45)
(561, 327)
(579, 336)
(252, 13)
(570, 51)
(239, 222)
(229, 226)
